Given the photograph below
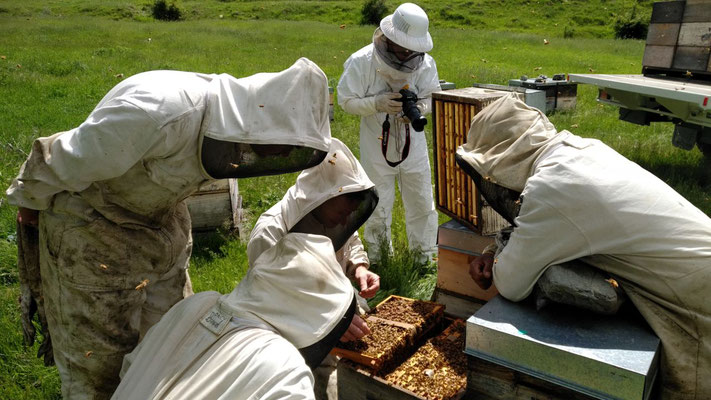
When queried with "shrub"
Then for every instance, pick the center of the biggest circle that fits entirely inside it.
(372, 12)
(164, 12)
(631, 27)
(568, 32)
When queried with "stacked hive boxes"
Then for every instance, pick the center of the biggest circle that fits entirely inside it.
(679, 39)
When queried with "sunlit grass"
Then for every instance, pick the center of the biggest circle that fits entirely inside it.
(61, 57)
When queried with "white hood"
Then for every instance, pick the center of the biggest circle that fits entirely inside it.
(287, 107)
(297, 287)
(339, 173)
(505, 140)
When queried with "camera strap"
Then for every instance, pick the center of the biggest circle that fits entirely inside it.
(386, 137)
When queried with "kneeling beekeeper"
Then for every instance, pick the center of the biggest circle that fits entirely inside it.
(254, 343)
(581, 199)
(114, 229)
(332, 199)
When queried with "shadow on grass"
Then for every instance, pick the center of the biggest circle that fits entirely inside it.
(208, 246)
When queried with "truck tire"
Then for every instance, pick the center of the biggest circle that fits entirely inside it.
(705, 148)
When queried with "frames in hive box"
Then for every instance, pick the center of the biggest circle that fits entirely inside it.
(438, 369)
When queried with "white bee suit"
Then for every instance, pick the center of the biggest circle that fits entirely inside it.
(338, 174)
(583, 199)
(364, 77)
(114, 228)
(243, 345)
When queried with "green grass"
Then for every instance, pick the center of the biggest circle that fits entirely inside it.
(61, 57)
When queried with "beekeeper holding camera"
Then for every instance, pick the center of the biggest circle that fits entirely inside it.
(391, 146)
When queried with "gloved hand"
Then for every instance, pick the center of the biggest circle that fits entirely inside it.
(31, 289)
(386, 103)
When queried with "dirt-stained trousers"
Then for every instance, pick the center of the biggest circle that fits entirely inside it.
(104, 285)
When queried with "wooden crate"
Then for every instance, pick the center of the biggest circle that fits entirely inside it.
(217, 204)
(411, 334)
(679, 40)
(457, 246)
(358, 383)
(455, 192)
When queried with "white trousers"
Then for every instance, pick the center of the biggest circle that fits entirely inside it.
(414, 179)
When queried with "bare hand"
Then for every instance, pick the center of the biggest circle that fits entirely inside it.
(480, 270)
(369, 282)
(27, 216)
(356, 330)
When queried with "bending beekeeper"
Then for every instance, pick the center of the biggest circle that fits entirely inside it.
(581, 199)
(369, 87)
(110, 198)
(333, 199)
(254, 343)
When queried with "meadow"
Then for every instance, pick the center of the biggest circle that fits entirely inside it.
(58, 59)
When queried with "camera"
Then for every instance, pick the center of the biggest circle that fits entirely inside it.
(409, 108)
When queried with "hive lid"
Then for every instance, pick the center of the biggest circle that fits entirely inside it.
(470, 95)
(606, 357)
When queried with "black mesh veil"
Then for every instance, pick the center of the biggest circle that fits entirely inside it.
(503, 200)
(340, 234)
(314, 354)
(223, 159)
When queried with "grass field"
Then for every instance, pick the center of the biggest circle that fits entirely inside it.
(58, 58)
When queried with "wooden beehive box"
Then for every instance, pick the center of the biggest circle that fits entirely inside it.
(436, 370)
(457, 245)
(455, 192)
(679, 40)
(396, 325)
(217, 204)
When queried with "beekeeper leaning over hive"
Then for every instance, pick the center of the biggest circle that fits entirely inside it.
(114, 227)
(333, 199)
(580, 198)
(293, 305)
(369, 86)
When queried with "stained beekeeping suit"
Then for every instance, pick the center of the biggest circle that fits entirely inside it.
(369, 86)
(114, 228)
(581, 199)
(333, 199)
(253, 343)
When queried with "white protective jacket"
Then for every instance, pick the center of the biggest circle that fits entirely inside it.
(243, 345)
(365, 75)
(114, 226)
(137, 154)
(581, 199)
(338, 174)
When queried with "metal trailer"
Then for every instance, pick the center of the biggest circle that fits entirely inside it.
(645, 99)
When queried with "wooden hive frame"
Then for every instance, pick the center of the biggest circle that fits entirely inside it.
(411, 334)
(357, 382)
(455, 193)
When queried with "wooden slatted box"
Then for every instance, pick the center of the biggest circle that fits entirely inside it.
(679, 40)
(455, 192)
(217, 204)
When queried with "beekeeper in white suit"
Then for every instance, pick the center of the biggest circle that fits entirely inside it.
(114, 228)
(333, 199)
(581, 199)
(292, 306)
(369, 87)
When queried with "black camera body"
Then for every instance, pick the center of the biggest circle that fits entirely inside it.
(409, 108)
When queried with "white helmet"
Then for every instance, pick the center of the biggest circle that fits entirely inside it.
(407, 27)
